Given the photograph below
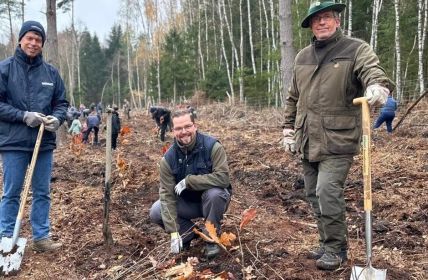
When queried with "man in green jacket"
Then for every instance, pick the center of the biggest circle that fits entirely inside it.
(194, 183)
(323, 126)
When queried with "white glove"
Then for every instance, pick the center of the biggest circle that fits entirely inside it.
(376, 95)
(51, 123)
(288, 141)
(176, 243)
(180, 187)
(33, 119)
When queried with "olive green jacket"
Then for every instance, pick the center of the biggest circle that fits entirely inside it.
(218, 178)
(327, 76)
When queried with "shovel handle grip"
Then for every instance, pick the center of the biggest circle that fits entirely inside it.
(366, 144)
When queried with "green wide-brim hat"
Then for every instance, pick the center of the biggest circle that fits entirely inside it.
(319, 6)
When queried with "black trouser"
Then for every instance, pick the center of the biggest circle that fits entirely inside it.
(163, 128)
(85, 137)
(114, 140)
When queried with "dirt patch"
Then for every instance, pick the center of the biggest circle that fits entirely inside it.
(273, 246)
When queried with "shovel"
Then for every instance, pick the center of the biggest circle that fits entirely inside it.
(368, 272)
(12, 248)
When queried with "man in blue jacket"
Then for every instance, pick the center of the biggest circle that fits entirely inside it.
(387, 114)
(31, 92)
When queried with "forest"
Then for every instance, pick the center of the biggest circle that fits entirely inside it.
(231, 60)
(165, 51)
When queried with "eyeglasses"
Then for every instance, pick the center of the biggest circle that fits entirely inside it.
(187, 127)
(318, 19)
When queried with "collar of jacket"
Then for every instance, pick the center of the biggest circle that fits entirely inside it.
(187, 148)
(22, 57)
(322, 43)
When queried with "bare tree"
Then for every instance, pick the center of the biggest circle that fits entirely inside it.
(349, 29)
(287, 49)
(229, 76)
(421, 44)
(51, 44)
(250, 31)
(397, 49)
(377, 4)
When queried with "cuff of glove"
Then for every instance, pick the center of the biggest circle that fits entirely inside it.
(175, 235)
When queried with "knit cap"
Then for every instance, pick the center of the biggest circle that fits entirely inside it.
(32, 25)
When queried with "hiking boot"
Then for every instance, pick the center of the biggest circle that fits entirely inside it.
(211, 250)
(186, 246)
(331, 261)
(315, 253)
(46, 245)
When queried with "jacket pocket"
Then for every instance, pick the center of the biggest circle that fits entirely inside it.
(341, 134)
(298, 131)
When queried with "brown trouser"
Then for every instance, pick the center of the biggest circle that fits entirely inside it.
(324, 185)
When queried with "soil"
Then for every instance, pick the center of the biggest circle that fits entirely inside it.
(264, 177)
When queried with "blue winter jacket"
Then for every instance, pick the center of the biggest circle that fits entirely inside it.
(28, 85)
(390, 105)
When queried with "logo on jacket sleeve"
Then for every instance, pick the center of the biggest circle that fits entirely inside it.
(47, 84)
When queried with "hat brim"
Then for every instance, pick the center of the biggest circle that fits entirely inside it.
(335, 7)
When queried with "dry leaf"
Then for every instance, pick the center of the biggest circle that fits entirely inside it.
(125, 130)
(247, 216)
(212, 231)
(202, 235)
(181, 271)
(121, 164)
(227, 238)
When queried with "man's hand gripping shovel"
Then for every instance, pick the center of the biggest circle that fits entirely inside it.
(368, 272)
(12, 248)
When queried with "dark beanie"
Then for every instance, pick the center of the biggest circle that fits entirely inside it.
(32, 25)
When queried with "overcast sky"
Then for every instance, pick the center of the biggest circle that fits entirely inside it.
(97, 15)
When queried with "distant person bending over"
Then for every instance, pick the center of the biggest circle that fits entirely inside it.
(93, 123)
(162, 116)
(323, 126)
(194, 182)
(31, 93)
(387, 114)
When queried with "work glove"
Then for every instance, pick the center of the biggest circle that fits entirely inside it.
(33, 119)
(376, 95)
(51, 123)
(288, 141)
(180, 187)
(176, 243)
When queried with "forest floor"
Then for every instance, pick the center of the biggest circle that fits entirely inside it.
(264, 177)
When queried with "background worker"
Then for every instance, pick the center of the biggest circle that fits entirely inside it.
(115, 126)
(31, 93)
(162, 117)
(387, 114)
(93, 123)
(323, 126)
(194, 182)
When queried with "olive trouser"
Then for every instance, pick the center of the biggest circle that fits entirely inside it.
(324, 186)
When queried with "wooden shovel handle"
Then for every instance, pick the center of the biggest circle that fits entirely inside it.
(30, 171)
(366, 152)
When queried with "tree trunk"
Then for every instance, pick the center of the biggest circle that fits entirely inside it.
(51, 44)
(220, 13)
(250, 31)
(397, 50)
(421, 46)
(287, 49)
(349, 31)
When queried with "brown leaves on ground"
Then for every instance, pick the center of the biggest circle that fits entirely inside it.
(125, 130)
(186, 271)
(247, 216)
(225, 239)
